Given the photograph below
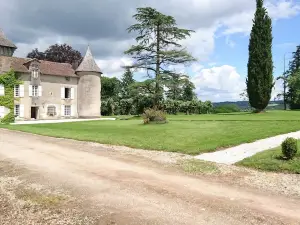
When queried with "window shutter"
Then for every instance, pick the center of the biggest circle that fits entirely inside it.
(21, 110)
(15, 91)
(62, 110)
(2, 90)
(2, 111)
(72, 93)
(30, 90)
(72, 110)
(21, 90)
(40, 91)
(62, 93)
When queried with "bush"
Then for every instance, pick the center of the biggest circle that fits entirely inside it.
(228, 108)
(289, 148)
(154, 116)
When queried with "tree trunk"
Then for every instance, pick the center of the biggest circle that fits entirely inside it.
(157, 70)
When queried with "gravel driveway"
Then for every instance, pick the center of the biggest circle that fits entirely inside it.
(57, 181)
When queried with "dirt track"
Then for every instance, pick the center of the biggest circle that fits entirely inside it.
(126, 189)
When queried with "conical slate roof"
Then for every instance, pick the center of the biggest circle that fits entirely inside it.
(4, 41)
(88, 63)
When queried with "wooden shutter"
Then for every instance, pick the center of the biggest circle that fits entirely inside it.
(62, 110)
(21, 110)
(15, 91)
(21, 91)
(2, 90)
(72, 93)
(72, 110)
(62, 93)
(30, 90)
(40, 90)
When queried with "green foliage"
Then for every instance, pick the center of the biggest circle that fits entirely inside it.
(110, 88)
(126, 82)
(9, 80)
(188, 93)
(289, 148)
(157, 47)
(293, 74)
(228, 108)
(260, 65)
(154, 116)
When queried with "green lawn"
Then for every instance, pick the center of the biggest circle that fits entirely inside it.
(271, 160)
(187, 134)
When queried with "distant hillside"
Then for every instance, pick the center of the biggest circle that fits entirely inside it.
(245, 105)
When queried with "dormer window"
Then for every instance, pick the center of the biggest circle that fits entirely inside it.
(35, 74)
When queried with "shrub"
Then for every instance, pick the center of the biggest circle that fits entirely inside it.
(289, 148)
(228, 108)
(154, 116)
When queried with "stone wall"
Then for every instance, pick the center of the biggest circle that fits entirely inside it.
(89, 95)
(51, 87)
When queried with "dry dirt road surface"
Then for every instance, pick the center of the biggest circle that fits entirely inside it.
(71, 182)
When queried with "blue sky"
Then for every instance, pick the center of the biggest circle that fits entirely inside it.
(220, 41)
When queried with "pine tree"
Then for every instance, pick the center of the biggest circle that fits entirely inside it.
(260, 65)
(126, 81)
(157, 46)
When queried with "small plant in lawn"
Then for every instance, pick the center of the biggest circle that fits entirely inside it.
(154, 116)
(289, 148)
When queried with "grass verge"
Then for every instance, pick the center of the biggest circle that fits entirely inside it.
(272, 160)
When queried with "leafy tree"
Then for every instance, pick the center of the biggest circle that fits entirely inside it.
(110, 88)
(36, 54)
(260, 65)
(58, 53)
(294, 67)
(294, 84)
(188, 91)
(157, 46)
(175, 83)
(126, 82)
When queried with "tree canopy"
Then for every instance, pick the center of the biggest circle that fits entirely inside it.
(157, 47)
(58, 53)
(260, 65)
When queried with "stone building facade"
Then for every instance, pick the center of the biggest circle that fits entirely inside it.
(51, 90)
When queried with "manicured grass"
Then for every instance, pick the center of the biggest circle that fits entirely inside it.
(274, 115)
(272, 160)
(179, 135)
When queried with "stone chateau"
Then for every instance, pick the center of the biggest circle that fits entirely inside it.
(51, 90)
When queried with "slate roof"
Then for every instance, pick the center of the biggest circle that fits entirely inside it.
(46, 67)
(88, 63)
(5, 42)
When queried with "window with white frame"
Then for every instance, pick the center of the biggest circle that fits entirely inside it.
(35, 74)
(67, 110)
(17, 90)
(17, 110)
(35, 90)
(51, 110)
(67, 93)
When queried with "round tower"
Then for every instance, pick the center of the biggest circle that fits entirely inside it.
(89, 87)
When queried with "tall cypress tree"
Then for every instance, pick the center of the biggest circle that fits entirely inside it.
(260, 65)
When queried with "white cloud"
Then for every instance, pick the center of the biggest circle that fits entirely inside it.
(113, 67)
(219, 83)
(223, 83)
(242, 22)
